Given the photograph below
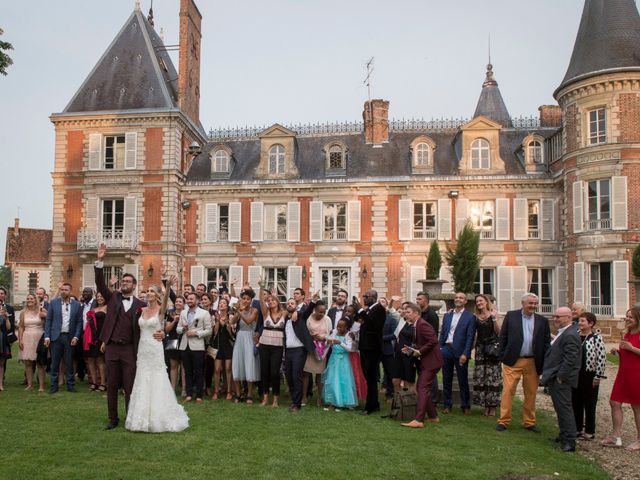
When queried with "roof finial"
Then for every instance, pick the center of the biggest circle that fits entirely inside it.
(489, 47)
(489, 80)
(137, 5)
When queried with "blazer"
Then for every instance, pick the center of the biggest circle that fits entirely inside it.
(332, 315)
(301, 331)
(388, 335)
(53, 322)
(511, 338)
(464, 335)
(427, 343)
(563, 359)
(201, 325)
(371, 329)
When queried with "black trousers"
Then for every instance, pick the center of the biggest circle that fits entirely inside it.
(561, 397)
(270, 363)
(387, 366)
(584, 399)
(193, 363)
(370, 361)
(294, 359)
(209, 368)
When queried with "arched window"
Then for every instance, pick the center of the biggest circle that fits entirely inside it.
(480, 154)
(336, 158)
(276, 159)
(220, 162)
(422, 155)
(535, 152)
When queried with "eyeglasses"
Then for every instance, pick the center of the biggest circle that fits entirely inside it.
(559, 316)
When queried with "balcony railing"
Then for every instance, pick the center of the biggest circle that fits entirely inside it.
(604, 310)
(545, 309)
(335, 235)
(280, 234)
(223, 235)
(486, 234)
(113, 239)
(424, 234)
(599, 224)
(534, 233)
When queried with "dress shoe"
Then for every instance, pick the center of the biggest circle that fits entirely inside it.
(433, 420)
(198, 400)
(413, 424)
(53, 391)
(533, 428)
(111, 425)
(501, 428)
(188, 399)
(72, 390)
(568, 447)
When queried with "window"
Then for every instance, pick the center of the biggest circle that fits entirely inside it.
(217, 277)
(534, 218)
(484, 281)
(276, 159)
(422, 155)
(424, 220)
(220, 162)
(599, 204)
(114, 152)
(600, 288)
(540, 282)
(336, 158)
(482, 215)
(275, 222)
(535, 152)
(33, 281)
(112, 218)
(480, 154)
(333, 279)
(223, 222)
(276, 277)
(335, 221)
(110, 271)
(597, 126)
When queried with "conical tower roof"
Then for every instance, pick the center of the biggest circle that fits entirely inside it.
(608, 40)
(490, 103)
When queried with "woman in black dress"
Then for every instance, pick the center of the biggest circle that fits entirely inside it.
(172, 339)
(404, 365)
(487, 374)
(222, 340)
(93, 354)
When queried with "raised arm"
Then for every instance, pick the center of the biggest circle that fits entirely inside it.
(165, 298)
(99, 276)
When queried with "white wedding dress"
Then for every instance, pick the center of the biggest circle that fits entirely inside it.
(153, 406)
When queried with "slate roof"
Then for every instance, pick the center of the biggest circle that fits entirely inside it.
(135, 72)
(490, 104)
(608, 40)
(31, 245)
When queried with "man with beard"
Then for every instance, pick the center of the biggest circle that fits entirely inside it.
(298, 343)
(335, 313)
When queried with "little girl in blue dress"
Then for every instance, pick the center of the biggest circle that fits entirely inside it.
(339, 385)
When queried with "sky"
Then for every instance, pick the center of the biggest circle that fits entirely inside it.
(285, 61)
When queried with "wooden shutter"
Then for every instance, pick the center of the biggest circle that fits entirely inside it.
(235, 219)
(462, 214)
(560, 299)
(502, 219)
(578, 216)
(130, 222)
(294, 279)
(130, 150)
(88, 276)
(518, 285)
(619, 203)
(197, 275)
(95, 151)
(417, 273)
(353, 220)
(315, 221)
(91, 213)
(445, 274)
(293, 221)
(444, 219)
(547, 217)
(236, 275)
(504, 289)
(620, 287)
(520, 219)
(211, 222)
(257, 221)
(132, 269)
(255, 272)
(405, 221)
(578, 282)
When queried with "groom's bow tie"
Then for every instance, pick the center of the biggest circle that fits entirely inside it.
(128, 299)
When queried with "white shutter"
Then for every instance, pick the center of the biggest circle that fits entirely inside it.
(92, 206)
(445, 274)
(578, 282)
(294, 279)
(130, 207)
(462, 214)
(502, 219)
(578, 216)
(417, 273)
(520, 219)
(518, 285)
(257, 221)
(236, 275)
(560, 299)
(197, 275)
(211, 222)
(405, 222)
(620, 287)
(619, 203)
(235, 212)
(88, 276)
(547, 216)
(95, 151)
(504, 289)
(293, 221)
(315, 221)
(255, 272)
(444, 219)
(353, 220)
(130, 150)
(132, 269)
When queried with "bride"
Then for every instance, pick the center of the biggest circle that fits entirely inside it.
(153, 406)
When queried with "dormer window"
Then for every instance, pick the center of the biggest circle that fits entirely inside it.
(480, 154)
(535, 152)
(421, 150)
(220, 163)
(276, 159)
(336, 158)
(422, 155)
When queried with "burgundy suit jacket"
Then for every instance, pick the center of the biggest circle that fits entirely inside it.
(426, 341)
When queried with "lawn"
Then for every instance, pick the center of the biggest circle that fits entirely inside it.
(61, 436)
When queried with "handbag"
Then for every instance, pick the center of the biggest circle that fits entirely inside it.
(492, 349)
(172, 344)
(403, 406)
(212, 352)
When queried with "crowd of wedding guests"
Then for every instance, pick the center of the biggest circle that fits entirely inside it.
(223, 344)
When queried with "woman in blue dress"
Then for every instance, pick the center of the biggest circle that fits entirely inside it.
(339, 385)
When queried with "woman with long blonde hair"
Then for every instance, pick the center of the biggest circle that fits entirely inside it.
(487, 374)
(29, 334)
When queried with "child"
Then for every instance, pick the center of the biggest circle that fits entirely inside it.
(353, 326)
(339, 385)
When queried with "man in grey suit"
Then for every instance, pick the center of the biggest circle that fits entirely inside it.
(560, 374)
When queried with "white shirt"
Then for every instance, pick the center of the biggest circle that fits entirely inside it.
(126, 303)
(292, 339)
(66, 316)
(560, 331)
(454, 323)
(339, 313)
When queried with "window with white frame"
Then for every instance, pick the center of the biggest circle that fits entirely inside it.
(535, 152)
(333, 279)
(335, 221)
(422, 155)
(112, 217)
(599, 204)
(337, 158)
(276, 159)
(275, 222)
(33, 281)
(540, 282)
(480, 154)
(424, 220)
(534, 218)
(482, 217)
(277, 277)
(484, 282)
(223, 222)
(597, 126)
(600, 288)
(114, 148)
(217, 277)
(220, 162)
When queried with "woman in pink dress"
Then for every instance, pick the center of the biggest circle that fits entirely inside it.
(626, 388)
(319, 325)
(29, 335)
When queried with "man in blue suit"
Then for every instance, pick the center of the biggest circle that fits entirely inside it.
(456, 341)
(62, 329)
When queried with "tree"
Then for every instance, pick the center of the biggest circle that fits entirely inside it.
(464, 259)
(434, 261)
(635, 262)
(5, 60)
(5, 277)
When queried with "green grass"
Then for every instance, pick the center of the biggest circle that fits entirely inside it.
(615, 359)
(61, 436)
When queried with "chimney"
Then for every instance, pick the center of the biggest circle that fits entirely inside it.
(376, 122)
(550, 116)
(16, 227)
(189, 62)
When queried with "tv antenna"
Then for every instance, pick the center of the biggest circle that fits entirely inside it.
(367, 80)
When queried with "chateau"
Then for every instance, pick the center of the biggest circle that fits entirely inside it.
(556, 197)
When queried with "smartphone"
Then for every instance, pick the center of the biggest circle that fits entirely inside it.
(354, 299)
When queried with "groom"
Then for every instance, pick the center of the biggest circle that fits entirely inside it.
(119, 337)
